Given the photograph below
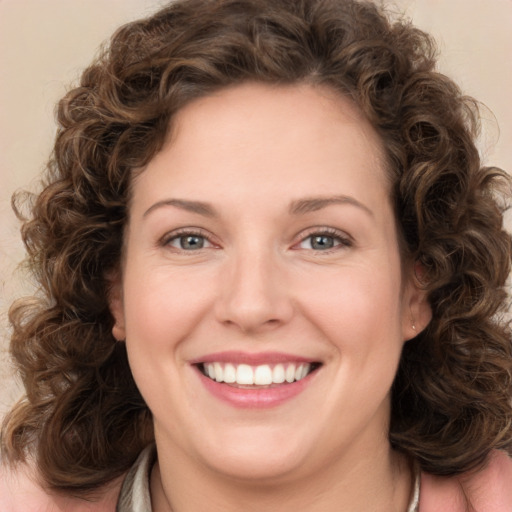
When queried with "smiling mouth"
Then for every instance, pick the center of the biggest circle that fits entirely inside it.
(263, 375)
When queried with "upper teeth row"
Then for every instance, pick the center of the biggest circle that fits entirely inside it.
(260, 375)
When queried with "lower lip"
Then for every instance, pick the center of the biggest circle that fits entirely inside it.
(252, 398)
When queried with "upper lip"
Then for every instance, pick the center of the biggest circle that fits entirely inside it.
(252, 359)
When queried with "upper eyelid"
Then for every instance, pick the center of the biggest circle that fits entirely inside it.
(345, 240)
(176, 233)
(324, 230)
(299, 237)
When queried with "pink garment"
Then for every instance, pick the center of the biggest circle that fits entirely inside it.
(489, 490)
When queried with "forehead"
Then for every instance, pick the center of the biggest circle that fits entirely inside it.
(256, 109)
(254, 138)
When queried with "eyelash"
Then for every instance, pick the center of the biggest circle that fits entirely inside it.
(344, 241)
(166, 240)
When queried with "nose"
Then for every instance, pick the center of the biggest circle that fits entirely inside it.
(254, 295)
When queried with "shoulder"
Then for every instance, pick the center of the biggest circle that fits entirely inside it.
(486, 490)
(20, 492)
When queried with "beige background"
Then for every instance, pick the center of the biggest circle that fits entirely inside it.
(45, 43)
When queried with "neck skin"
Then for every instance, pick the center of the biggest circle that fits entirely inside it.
(380, 480)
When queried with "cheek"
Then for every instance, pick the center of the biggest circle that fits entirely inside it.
(161, 306)
(359, 315)
(161, 309)
(354, 301)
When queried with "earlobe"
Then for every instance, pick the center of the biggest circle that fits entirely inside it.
(115, 300)
(118, 331)
(417, 311)
(420, 314)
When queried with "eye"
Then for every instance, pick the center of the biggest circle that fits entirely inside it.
(187, 241)
(324, 241)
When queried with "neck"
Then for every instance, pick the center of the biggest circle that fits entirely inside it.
(380, 482)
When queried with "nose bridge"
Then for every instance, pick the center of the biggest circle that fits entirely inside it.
(253, 295)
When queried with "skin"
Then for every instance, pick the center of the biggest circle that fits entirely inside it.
(258, 284)
(21, 491)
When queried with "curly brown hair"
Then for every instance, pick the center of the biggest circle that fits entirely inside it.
(83, 416)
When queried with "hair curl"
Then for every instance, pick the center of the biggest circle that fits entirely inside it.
(83, 416)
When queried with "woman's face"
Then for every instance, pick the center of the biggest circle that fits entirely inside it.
(261, 249)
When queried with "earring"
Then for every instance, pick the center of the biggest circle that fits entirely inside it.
(413, 327)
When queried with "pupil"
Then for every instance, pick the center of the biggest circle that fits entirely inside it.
(322, 242)
(192, 242)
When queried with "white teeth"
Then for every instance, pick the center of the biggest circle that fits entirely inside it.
(219, 373)
(302, 371)
(244, 374)
(290, 373)
(229, 373)
(261, 375)
(278, 374)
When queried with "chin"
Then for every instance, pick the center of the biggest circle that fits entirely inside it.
(259, 469)
(259, 457)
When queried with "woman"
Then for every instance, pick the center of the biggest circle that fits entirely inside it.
(263, 248)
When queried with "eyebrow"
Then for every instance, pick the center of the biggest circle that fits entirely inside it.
(313, 204)
(297, 207)
(191, 206)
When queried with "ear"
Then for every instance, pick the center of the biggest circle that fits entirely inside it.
(116, 306)
(417, 312)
